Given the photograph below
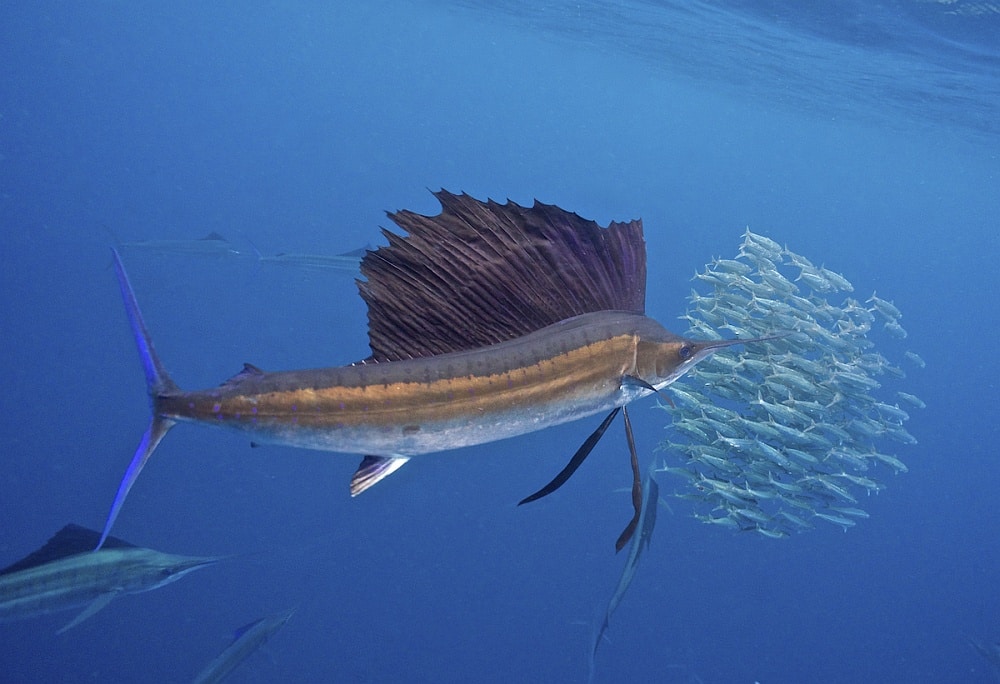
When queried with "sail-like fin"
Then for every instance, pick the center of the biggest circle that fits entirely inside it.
(150, 440)
(374, 469)
(636, 487)
(480, 273)
(574, 463)
(69, 541)
(92, 609)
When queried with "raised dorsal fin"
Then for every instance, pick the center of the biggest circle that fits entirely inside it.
(245, 628)
(480, 273)
(69, 541)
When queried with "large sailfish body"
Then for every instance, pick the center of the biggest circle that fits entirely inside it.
(560, 373)
(486, 321)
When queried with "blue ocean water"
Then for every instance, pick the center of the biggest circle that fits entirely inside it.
(864, 136)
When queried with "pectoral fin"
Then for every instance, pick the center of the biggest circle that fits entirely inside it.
(574, 462)
(374, 469)
(94, 607)
(639, 382)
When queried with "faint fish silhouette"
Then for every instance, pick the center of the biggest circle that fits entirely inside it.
(991, 652)
(245, 642)
(211, 245)
(67, 573)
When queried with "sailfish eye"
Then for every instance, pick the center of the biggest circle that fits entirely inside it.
(685, 351)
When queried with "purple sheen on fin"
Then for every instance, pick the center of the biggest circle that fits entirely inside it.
(150, 440)
(374, 469)
(157, 380)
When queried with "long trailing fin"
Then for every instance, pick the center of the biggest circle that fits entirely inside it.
(574, 463)
(158, 384)
(636, 487)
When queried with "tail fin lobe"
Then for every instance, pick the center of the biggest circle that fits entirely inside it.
(150, 440)
(157, 380)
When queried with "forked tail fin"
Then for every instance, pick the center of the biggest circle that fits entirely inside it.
(157, 384)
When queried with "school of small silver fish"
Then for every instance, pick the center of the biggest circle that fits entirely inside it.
(777, 436)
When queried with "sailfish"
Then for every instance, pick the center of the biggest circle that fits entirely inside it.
(64, 574)
(486, 321)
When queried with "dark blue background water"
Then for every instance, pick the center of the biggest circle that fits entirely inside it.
(866, 139)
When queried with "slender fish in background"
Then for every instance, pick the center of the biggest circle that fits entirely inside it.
(991, 652)
(486, 321)
(246, 641)
(68, 573)
(347, 262)
(647, 521)
(213, 245)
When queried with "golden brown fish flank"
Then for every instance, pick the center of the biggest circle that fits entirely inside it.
(557, 364)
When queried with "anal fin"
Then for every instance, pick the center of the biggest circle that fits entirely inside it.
(91, 609)
(374, 469)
